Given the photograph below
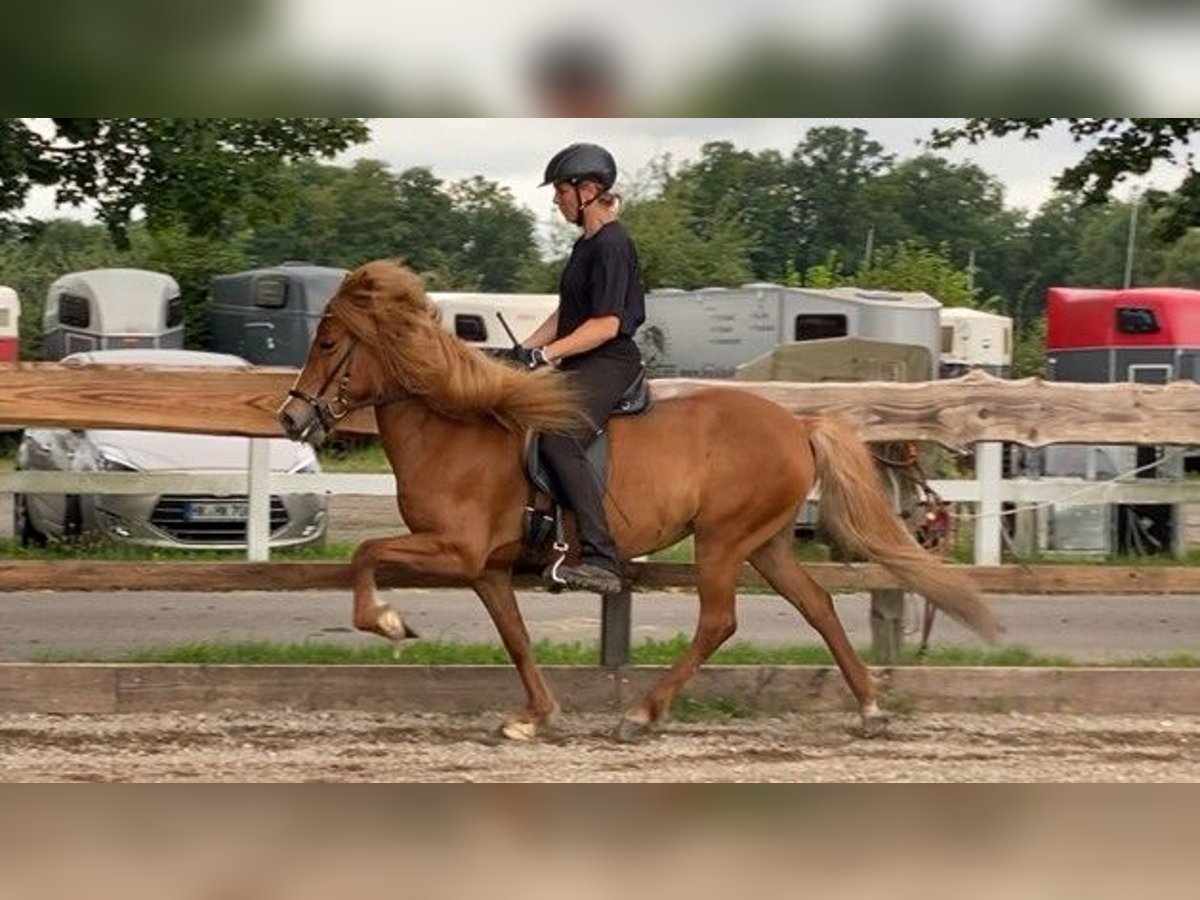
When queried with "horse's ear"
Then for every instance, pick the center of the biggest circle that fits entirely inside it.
(358, 283)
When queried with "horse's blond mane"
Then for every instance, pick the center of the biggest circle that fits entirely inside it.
(384, 305)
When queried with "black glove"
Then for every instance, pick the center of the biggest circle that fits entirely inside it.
(528, 357)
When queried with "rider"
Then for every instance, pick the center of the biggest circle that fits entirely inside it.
(590, 334)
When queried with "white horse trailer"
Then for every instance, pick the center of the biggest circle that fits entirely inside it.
(476, 318)
(708, 333)
(974, 339)
(111, 309)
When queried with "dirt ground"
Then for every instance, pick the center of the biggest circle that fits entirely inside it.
(371, 747)
(290, 746)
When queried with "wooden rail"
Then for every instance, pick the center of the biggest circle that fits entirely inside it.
(956, 413)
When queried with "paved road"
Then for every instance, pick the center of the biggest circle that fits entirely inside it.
(32, 624)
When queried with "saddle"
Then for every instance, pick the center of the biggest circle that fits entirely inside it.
(541, 523)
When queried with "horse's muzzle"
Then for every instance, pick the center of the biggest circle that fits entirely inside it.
(302, 425)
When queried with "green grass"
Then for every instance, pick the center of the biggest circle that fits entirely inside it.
(645, 653)
(357, 456)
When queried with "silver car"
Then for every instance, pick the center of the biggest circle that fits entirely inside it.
(183, 520)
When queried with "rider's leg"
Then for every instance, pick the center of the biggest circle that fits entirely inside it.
(601, 382)
(567, 456)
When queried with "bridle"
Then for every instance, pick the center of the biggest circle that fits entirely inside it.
(330, 412)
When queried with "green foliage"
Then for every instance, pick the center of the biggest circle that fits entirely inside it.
(902, 267)
(192, 261)
(1029, 350)
(201, 174)
(675, 253)
(1117, 147)
(470, 235)
(1180, 262)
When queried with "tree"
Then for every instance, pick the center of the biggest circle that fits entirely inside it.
(958, 207)
(902, 267)
(1029, 350)
(672, 252)
(192, 261)
(1120, 147)
(730, 188)
(194, 172)
(1103, 244)
(1180, 264)
(829, 173)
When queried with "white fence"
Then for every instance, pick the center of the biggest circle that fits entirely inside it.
(985, 493)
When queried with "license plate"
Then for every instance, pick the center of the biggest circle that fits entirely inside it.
(216, 511)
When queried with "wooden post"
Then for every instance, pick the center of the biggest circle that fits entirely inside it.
(1025, 532)
(615, 628)
(887, 626)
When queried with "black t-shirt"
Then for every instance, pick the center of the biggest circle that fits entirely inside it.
(602, 278)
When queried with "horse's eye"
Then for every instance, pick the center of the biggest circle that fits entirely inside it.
(326, 345)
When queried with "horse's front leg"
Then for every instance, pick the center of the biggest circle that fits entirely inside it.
(496, 591)
(430, 554)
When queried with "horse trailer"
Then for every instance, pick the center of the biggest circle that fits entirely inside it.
(109, 309)
(974, 339)
(269, 315)
(476, 318)
(1148, 335)
(709, 332)
(10, 316)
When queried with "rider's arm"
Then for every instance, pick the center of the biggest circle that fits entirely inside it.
(544, 333)
(588, 336)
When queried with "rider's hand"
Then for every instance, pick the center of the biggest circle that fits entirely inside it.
(528, 357)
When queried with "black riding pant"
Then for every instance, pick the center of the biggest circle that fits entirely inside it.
(602, 377)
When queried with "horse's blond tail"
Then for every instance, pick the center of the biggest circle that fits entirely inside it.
(856, 511)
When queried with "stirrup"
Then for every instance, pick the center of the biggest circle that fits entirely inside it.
(557, 582)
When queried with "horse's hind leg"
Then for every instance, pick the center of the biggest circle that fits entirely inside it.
(775, 562)
(496, 592)
(717, 623)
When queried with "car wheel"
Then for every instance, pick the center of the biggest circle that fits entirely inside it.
(23, 529)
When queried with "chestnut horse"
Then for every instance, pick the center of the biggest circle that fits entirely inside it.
(728, 467)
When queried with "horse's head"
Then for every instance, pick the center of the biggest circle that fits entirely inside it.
(375, 331)
(328, 387)
(381, 340)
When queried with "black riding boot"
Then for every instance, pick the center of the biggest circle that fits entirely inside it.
(599, 567)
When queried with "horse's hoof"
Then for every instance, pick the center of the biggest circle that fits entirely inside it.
(630, 731)
(516, 730)
(388, 624)
(874, 723)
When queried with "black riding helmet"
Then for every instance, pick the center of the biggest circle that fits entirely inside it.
(582, 161)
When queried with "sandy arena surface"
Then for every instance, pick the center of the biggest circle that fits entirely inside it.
(351, 747)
